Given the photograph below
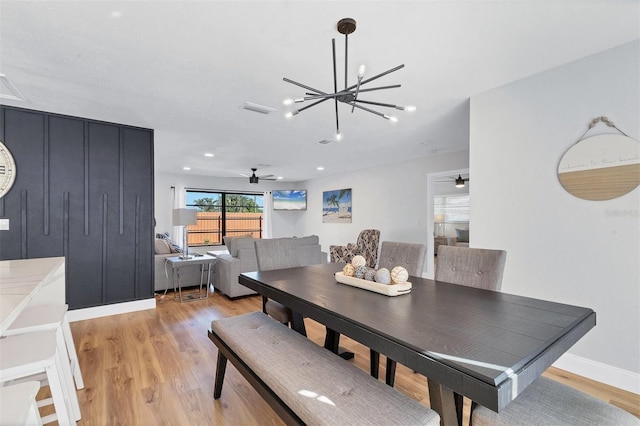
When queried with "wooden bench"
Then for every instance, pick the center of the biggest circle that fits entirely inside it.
(305, 383)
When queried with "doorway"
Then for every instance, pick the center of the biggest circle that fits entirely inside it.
(439, 184)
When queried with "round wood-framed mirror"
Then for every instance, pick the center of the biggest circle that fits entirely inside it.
(601, 167)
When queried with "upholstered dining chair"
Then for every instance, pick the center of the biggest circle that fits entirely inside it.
(471, 267)
(281, 253)
(411, 256)
(366, 245)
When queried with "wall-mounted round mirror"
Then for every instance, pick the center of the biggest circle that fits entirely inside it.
(601, 167)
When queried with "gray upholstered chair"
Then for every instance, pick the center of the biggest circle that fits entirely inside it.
(281, 253)
(367, 246)
(471, 267)
(411, 256)
(547, 402)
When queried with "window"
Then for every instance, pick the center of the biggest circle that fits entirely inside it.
(455, 208)
(224, 213)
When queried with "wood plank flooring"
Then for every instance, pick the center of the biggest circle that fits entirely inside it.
(157, 367)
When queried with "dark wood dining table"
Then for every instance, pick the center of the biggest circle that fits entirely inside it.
(488, 346)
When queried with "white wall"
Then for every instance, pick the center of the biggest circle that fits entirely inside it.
(393, 199)
(560, 247)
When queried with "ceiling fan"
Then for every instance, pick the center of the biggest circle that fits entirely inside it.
(459, 181)
(254, 179)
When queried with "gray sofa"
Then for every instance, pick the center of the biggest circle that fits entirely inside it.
(242, 258)
(163, 275)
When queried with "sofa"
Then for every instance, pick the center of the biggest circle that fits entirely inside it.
(163, 273)
(242, 258)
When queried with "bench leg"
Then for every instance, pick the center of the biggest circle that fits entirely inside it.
(221, 367)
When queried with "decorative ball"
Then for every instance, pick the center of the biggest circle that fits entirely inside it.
(369, 274)
(383, 276)
(360, 271)
(348, 270)
(358, 261)
(399, 275)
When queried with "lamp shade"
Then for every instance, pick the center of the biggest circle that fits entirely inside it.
(184, 217)
(439, 218)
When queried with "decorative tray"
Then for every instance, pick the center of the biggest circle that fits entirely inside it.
(386, 289)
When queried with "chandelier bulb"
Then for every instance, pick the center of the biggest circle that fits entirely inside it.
(338, 136)
(291, 113)
(361, 71)
(391, 118)
(410, 108)
(288, 101)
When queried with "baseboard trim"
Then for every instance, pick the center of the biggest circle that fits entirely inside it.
(603, 373)
(114, 309)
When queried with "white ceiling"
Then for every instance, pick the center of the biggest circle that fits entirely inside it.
(185, 69)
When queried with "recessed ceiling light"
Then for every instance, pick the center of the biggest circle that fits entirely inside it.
(320, 168)
(208, 154)
(279, 177)
(186, 168)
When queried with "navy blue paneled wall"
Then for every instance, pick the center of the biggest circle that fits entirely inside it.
(83, 190)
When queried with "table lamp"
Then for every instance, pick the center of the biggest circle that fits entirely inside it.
(439, 219)
(184, 218)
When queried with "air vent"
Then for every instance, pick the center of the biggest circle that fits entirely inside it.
(258, 108)
(325, 142)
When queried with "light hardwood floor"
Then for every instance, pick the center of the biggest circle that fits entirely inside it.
(157, 367)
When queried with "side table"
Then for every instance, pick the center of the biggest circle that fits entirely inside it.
(176, 263)
(440, 241)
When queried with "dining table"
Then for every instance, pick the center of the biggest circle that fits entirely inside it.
(481, 344)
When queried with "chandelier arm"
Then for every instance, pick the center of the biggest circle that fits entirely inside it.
(368, 110)
(335, 83)
(377, 76)
(313, 104)
(371, 89)
(320, 92)
(355, 96)
(377, 103)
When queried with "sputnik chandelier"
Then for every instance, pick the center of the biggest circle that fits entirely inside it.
(350, 94)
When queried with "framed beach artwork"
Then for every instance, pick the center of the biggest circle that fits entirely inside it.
(336, 206)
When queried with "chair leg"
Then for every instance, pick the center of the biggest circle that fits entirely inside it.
(391, 372)
(374, 359)
(459, 402)
(73, 355)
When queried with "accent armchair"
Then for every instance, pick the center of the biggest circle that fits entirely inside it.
(367, 246)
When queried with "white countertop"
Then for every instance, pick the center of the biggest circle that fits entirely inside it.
(20, 280)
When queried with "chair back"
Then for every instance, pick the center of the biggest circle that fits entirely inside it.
(367, 246)
(473, 267)
(408, 255)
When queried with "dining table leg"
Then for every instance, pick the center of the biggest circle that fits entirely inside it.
(297, 323)
(442, 400)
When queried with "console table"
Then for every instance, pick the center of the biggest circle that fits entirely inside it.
(176, 263)
(441, 241)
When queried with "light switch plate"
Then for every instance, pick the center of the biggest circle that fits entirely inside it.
(4, 224)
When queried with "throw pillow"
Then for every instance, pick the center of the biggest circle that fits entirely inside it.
(462, 235)
(162, 247)
(175, 248)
